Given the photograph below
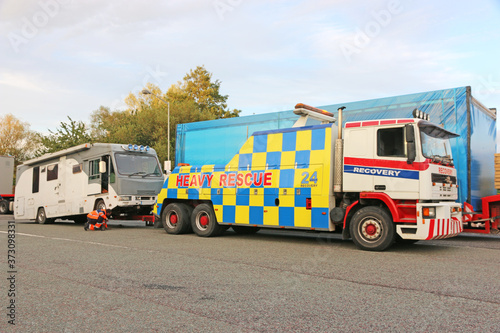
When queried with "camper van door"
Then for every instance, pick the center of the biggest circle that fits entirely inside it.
(94, 181)
(61, 187)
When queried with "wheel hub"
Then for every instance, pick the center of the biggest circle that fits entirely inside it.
(173, 218)
(371, 229)
(204, 220)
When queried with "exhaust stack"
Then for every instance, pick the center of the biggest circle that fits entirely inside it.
(339, 156)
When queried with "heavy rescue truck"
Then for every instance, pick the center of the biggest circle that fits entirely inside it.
(378, 182)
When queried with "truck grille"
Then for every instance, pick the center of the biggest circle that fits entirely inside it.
(145, 192)
(438, 178)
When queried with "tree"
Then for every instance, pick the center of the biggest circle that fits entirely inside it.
(199, 87)
(145, 121)
(98, 120)
(16, 139)
(68, 135)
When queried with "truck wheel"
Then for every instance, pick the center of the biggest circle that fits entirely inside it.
(41, 218)
(4, 207)
(204, 223)
(245, 230)
(175, 218)
(372, 229)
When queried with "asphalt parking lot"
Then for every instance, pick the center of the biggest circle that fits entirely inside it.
(135, 278)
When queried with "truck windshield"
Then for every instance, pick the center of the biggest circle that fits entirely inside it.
(137, 165)
(435, 144)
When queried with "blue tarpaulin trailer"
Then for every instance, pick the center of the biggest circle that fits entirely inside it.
(217, 141)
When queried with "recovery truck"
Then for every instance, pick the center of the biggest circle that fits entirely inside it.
(6, 177)
(376, 181)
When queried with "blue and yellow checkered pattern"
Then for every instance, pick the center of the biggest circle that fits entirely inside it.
(267, 183)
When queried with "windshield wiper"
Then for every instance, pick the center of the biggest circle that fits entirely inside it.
(436, 159)
(136, 173)
(448, 159)
(151, 174)
(442, 159)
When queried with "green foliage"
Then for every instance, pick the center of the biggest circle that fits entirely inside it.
(68, 135)
(199, 87)
(145, 122)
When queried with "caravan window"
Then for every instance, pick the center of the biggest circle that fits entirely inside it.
(94, 169)
(52, 172)
(36, 180)
(77, 168)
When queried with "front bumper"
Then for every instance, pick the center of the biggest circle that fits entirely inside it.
(447, 223)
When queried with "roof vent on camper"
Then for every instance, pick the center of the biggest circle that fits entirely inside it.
(307, 111)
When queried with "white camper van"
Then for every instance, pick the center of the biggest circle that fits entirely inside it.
(72, 182)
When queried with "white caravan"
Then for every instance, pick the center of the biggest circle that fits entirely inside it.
(71, 183)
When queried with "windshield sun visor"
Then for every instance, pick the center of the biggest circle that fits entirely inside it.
(435, 131)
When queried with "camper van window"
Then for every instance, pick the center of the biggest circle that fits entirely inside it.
(94, 169)
(137, 165)
(52, 172)
(36, 179)
(77, 168)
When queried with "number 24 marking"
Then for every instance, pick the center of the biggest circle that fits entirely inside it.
(306, 179)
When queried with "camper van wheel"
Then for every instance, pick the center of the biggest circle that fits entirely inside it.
(372, 229)
(175, 218)
(41, 218)
(4, 207)
(100, 205)
(204, 222)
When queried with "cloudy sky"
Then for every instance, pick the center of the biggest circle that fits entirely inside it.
(64, 58)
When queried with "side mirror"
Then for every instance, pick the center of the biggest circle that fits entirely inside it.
(102, 166)
(410, 143)
(167, 167)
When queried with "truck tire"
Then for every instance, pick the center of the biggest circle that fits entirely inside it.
(158, 223)
(176, 218)
(204, 222)
(41, 217)
(372, 229)
(245, 230)
(4, 207)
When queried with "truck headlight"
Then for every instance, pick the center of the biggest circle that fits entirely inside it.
(125, 198)
(429, 212)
